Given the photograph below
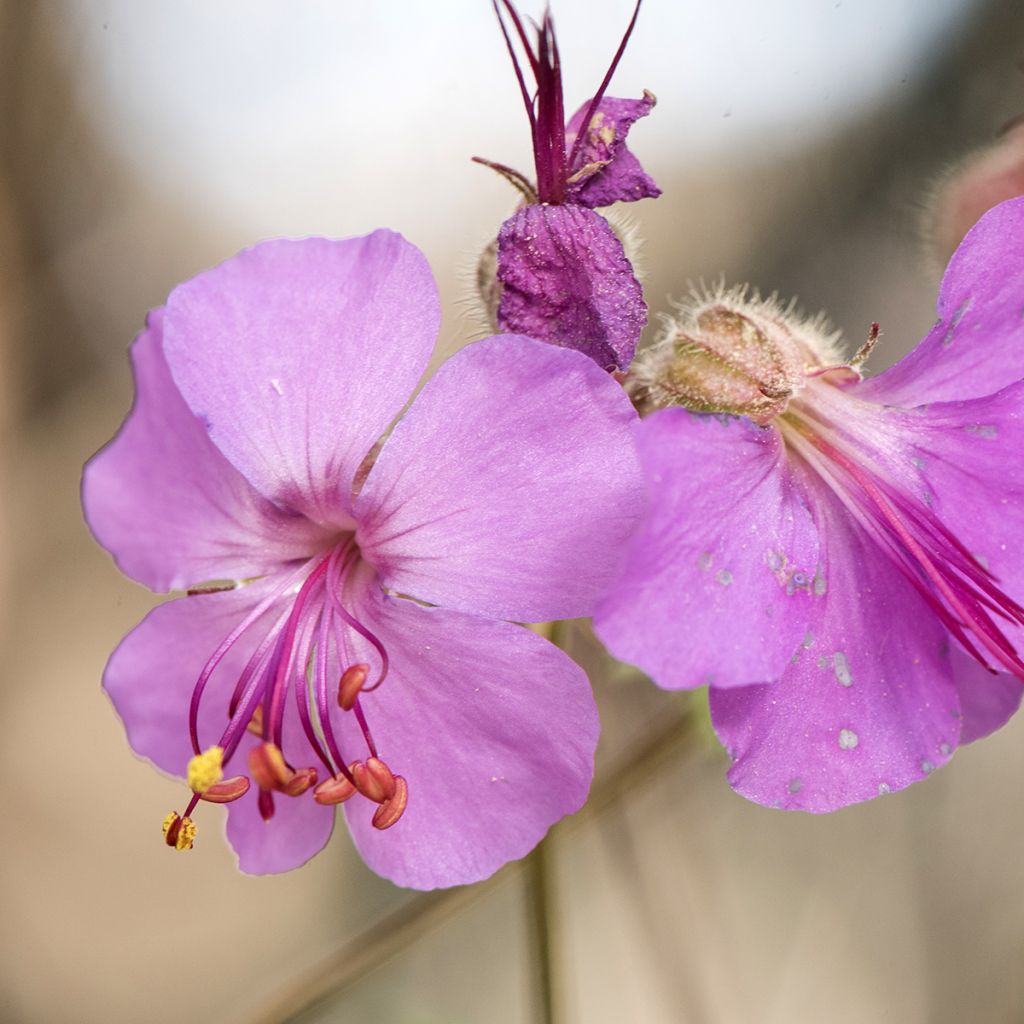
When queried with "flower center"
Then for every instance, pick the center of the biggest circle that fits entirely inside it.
(959, 589)
(305, 655)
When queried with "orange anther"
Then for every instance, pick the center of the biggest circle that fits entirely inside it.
(335, 790)
(300, 781)
(226, 791)
(268, 767)
(179, 832)
(374, 779)
(353, 679)
(390, 811)
(255, 725)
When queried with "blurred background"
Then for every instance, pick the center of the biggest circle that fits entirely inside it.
(143, 140)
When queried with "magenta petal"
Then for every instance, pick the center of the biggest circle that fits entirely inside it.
(977, 345)
(869, 706)
(618, 178)
(296, 355)
(719, 580)
(987, 701)
(963, 460)
(164, 501)
(299, 829)
(494, 729)
(566, 280)
(151, 674)
(509, 488)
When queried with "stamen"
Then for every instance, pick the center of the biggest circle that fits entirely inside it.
(227, 791)
(374, 779)
(179, 832)
(353, 679)
(388, 813)
(269, 768)
(335, 790)
(206, 769)
(303, 779)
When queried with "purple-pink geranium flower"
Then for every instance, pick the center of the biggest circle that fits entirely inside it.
(361, 657)
(841, 560)
(563, 272)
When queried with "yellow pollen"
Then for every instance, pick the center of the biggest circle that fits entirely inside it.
(206, 769)
(184, 833)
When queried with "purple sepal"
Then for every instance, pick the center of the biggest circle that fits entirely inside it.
(608, 171)
(566, 280)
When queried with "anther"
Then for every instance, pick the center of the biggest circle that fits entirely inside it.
(206, 769)
(301, 780)
(226, 791)
(268, 767)
(353, 679)
(391, 810)
(374, 779)
(335, 790)
(179, 832)
(255, 725)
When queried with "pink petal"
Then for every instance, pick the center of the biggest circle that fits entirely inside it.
(169, 507)
(869, 706)
(719, 580)
(296, 355)
(621, 178)
(494, 729)
(987, 701)
(977, 345)
(566, 280)
(510, 486)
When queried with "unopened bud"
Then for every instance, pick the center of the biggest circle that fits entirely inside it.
(335, 790)
(389, 812)
(353, 679)
(179, 832)
(226, 791)
(727, 353)
(976, 184)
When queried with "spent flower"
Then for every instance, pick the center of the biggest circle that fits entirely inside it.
(840, 559)
(562, 274)
(342, 639)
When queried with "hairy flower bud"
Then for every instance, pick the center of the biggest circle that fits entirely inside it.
(974, 185)
(727, 353)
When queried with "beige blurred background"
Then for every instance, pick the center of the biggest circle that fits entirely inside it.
(143, 140)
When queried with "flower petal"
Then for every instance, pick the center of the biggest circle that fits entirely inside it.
(987, 701)
(566, 280)
(869, 707)
(168, 506)
(494, 729)
(977, 345)
(510, 486)
(150, 678)
(618, 177)
(718, 580)
(298, 354)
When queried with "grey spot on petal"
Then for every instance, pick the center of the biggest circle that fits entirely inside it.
(822, 662)
(986, 430)
(944, 748)
(927, 767)
(795, 785)
(947, 338)
(705, 560)
(820, 586)
(724, 577)
(808, 640)
(842, 668)
(883, 788)
(848, 739)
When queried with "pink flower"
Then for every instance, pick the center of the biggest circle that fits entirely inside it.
(841, 560)
(358, 652)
